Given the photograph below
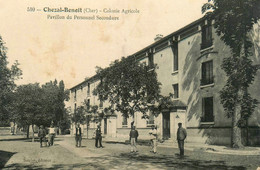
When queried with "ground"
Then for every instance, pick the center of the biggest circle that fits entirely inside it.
(17, 152)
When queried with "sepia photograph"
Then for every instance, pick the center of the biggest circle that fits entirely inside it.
(130, 84)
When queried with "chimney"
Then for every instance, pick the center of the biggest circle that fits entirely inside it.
(158, 37)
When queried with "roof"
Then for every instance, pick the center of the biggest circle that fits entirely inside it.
(172, 104)
(170, 35)
(85, 81)
(152, 45)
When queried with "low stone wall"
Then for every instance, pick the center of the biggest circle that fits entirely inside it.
(5, 130)
(90, 133)
(143, 133)
(253, 136)
(214, 136)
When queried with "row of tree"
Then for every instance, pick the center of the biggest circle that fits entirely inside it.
(30, 104)
(33, 104)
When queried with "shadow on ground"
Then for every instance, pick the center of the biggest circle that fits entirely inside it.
(15, 139)
(27, 139)
(4, 157)
(136, 161)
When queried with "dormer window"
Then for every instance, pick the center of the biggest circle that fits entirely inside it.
(88, 91)
(150, 61)
(206, 35)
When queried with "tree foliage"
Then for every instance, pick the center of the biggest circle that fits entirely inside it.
(54, 98)
(33, 104)
(128, 86)
(234, 19)
(7, 82)
(29, 105)
(79, 115)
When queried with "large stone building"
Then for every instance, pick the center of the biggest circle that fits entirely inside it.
(189, 66)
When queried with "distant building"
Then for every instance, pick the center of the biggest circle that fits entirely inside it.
(189, 66)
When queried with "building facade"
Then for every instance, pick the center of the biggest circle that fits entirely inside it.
(188, 65)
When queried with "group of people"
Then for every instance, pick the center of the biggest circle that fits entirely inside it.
(42, 134)
(133, 136)
(181, 136)
(98, 137)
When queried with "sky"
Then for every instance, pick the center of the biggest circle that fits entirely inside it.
(70, 50)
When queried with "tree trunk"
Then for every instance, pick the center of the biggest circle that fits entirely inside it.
(87, 128)
(247, 133)
(236, 131)
(28, 131)
(15, 129)
(32, 133)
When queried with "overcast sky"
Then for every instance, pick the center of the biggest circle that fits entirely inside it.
(70, 50)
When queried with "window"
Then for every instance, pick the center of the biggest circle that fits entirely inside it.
(124, 121)
(206, 40)
(207, 108)
(75, 94)
(101, 101)
(75, 108)
(176, 91)
(88, 91)
(175, 56)
(150, 121)
(207, 73)
(88, 104)
(150, 61)
(101, 104)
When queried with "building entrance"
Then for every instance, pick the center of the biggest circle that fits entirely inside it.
(105, 126)
(166, 125)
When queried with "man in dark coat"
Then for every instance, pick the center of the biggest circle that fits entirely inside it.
(98, 137)
(181, 136)
(133, 135)
(78, 137)
(41, 134)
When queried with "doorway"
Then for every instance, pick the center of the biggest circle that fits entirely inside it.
(166, 125)
(105, 126)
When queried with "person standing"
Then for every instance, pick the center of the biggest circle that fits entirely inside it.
(181, 136)
(78, 136)
(98, 137)
(51, 135)
(41, 135)
(153, 137)
(133, 138)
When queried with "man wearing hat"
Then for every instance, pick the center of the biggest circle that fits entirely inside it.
(41, 134)
(133, 135)
(78, 137)
(98, 137)
(181, 136)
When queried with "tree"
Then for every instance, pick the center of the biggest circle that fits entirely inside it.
(234, 19)
(40, 105)
(7, 84)
(29, 105)
(62, 114)
(79, 115)
(54, 97)
(91, 112)
(128, 86)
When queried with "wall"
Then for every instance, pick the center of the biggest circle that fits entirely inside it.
(191, 92)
